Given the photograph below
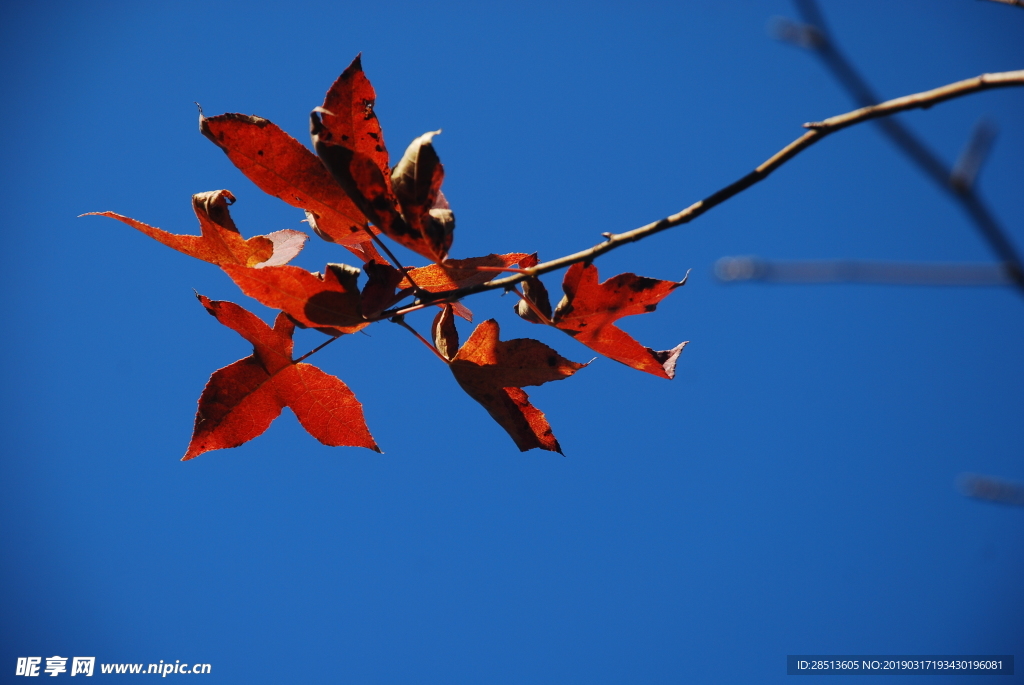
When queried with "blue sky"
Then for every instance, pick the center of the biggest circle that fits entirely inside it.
(792, 491)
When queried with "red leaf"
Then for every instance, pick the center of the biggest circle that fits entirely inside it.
(348, 138)
(589, 310)
(329, 303)
(379, 293)
(282, 166)
(367, 252)
(241, 400)
(493, 373)
(219, 242)
(460, 273)
(535, 291)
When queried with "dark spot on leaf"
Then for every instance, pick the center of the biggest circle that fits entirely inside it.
(375, 136)
(379, 148)
(260, 153)
(643, 283)
(650, 307)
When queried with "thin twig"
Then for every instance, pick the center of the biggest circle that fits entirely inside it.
(826, 49)
(817, 132)
(315, 349)
(398, 264)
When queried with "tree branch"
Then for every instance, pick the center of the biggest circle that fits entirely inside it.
(814, 35)
(818, 131)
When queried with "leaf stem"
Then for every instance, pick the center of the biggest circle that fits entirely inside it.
(400, 320)
(315, 349)
(398, 264)
(503, 269)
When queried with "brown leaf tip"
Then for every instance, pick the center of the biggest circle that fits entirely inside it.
(668, 358)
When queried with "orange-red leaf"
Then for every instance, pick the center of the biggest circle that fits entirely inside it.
(493, 373)
(461, 273)
(328, 302)
(241, 400)
(219, 241)
(589, 309)
(283, 167)
(348, 139)
(379, 293)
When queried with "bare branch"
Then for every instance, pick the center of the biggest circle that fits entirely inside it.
(739, 269)
(817, 133)
(920, 100)
(814, 35)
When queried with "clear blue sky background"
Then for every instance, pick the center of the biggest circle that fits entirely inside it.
(792, 491)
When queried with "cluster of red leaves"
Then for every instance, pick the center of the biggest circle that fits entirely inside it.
(350, 196)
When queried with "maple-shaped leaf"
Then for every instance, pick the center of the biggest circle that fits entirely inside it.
(460, 273)
(328, 302)
(283, 167)
(241, 400)
(589, 310)
(219, 241)
(348, 138)
(494, 373)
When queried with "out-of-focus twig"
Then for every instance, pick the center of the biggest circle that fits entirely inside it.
(1015, 3)
(992, 489)
(817, 132)
(739, 269)
(965, 171)
(814, 35)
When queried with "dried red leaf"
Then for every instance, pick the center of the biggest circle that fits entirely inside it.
(588, 312)
(348, 139)
(535, 292)
(493, 373)
(380, 292)
(241, 400)
(328, 302)
(417, 183)
(367, 252)
(445, 334)
(283, 167)
(219, 241)
(461, 273)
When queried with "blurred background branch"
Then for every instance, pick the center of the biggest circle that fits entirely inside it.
(750, 268)
(958, 182)
(1015, 3)
(735, 269)
(992, 489)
